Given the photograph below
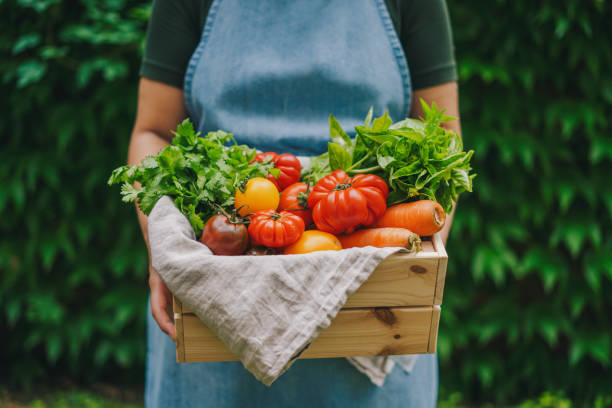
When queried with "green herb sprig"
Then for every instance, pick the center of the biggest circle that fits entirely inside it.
(199, 173)
(417, 158)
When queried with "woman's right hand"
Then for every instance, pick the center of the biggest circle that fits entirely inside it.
(161, 303)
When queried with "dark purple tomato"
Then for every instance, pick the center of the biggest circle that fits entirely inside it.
(224, 237)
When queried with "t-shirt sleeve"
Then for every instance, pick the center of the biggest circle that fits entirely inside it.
(172, 36)
(426, 36)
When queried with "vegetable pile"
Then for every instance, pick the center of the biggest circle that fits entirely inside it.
(417, 158)
(388, 186)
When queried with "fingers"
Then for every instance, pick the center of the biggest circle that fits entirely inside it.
(161, 305)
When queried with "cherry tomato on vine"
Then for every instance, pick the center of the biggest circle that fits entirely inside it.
(259, 194)
(340, 203)
(288, 164)
(272, 229)
(295, 199)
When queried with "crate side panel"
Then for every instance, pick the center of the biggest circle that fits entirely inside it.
(400, 280)
(177, 308)
(443, 257)
(433, 333)
(357, 332)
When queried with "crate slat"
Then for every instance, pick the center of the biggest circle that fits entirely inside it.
(400, 280)
(355, 332)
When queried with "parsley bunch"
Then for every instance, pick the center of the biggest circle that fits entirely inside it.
(417, 158)
(199, 173)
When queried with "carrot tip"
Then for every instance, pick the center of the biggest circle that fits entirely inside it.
(414, 244)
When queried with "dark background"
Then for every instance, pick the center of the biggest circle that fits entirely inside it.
(528, 293)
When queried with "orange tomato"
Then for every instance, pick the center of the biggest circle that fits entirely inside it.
(259, 194)
(312, 241)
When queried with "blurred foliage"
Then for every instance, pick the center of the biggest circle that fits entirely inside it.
(526, 306)
(527, 301)
(73, 265)
(72, 398)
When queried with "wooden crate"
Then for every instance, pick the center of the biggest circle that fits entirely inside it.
(396, 311)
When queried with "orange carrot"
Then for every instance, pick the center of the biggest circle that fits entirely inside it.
(424, 217)
(382, 237)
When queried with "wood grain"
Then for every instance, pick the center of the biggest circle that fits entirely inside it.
(433, 330)
(356, 332)
(400, 280)
(442, 264)
(177, 308)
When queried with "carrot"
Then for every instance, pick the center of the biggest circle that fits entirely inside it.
(382, 237)
(424, 217)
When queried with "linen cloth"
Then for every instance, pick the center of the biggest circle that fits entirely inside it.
(265, 309)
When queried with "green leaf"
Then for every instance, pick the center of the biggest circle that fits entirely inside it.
(384, 154)
(338, 135)
(38, 5)
(50, 52)
(149, 162)
(339, 158)
(368, 119)
(54, 347)
(128, 193)
(409, 123)
(148, 201)
(30, 72)
(382, 123)
(360, 149)
(26, 41)
(13, 310)
(460, 178)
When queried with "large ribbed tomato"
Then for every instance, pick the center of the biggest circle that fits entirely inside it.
(275, 229)
(340, 203)
(288, 164)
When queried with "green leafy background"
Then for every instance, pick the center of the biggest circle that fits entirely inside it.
(527, 300)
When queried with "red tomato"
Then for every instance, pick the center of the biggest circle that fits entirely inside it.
(340, 203)
(272, 229)
(295, 199)
(288, 164)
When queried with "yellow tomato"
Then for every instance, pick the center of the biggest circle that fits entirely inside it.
(312, 241)
(259, 194)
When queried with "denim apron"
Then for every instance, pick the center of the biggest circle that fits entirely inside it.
(271, 72)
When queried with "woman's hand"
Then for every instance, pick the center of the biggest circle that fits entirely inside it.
(161, 303)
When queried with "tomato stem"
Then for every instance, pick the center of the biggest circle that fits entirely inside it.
(342, 186)
(302, 198)
(232, 218)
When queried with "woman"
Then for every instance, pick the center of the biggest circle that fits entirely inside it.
(271, 72)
